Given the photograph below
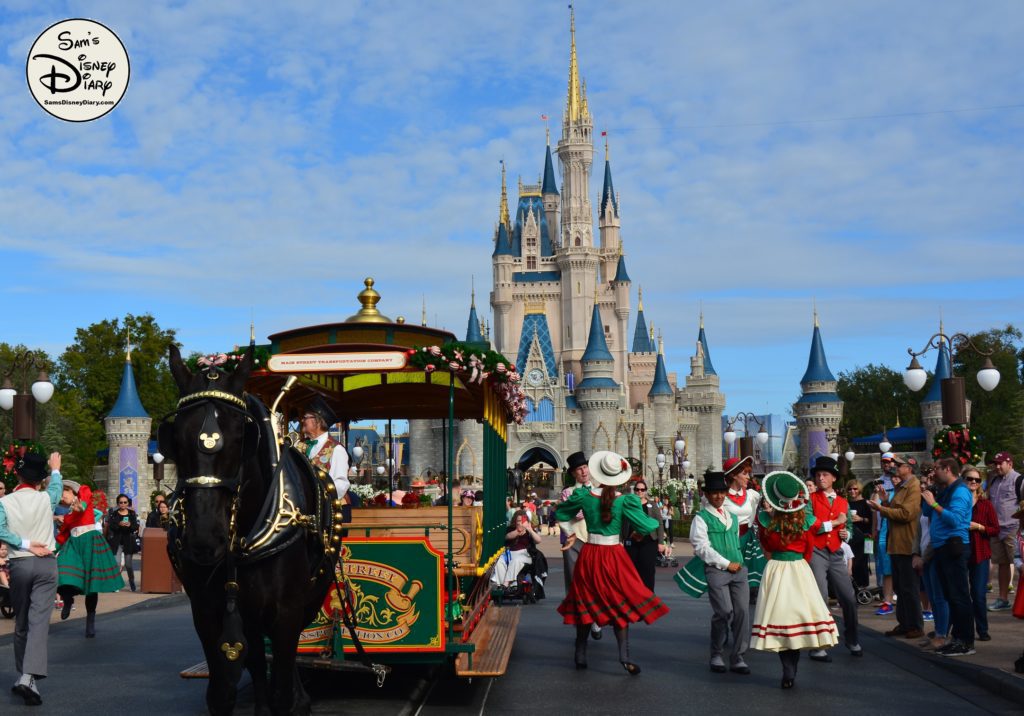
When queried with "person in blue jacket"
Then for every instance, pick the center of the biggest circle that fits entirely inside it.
(949, 518)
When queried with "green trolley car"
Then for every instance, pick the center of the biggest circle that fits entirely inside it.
(412, 578)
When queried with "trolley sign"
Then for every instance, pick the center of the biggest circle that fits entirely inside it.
(337, 362)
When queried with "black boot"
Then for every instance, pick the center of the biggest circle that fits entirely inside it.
(65, 611)
(622, 637)
(582, 632)
(90, 615)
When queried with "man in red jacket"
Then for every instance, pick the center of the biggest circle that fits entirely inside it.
(827, 563)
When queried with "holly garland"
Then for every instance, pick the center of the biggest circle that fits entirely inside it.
(475, 366)
(14, 452)
(958, 443)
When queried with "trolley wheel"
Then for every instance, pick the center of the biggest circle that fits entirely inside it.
(7, 610)
(864, 597)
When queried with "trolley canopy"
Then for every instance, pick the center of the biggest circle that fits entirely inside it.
(362, 371)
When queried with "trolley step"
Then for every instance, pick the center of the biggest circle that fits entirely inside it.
(199, 671)
(493, 638)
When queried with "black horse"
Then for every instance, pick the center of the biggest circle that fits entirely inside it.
(254, 536)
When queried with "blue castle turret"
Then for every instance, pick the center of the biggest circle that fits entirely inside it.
(641, 341)
(128, 427)
(473, 332)
(819, 409)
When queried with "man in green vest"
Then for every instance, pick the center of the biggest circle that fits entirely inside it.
(715, 536)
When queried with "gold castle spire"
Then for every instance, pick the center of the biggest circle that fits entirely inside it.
(472, 291)
(661, 344)
(576, 102)
(607, 155)
(504, 217)
(640, 299)
(814, 303)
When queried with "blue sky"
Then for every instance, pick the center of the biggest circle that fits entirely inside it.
(865, 157)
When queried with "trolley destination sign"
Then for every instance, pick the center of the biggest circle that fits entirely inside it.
(337, 362)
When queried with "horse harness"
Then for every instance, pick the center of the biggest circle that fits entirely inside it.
(284, 517)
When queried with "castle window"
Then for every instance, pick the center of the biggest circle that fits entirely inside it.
(531, 242)
(531, 263)
(577, 241)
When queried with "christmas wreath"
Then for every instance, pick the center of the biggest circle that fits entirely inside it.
(958, 443)
(15, 451)
(475, 366)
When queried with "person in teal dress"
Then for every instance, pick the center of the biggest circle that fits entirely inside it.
(606, 588)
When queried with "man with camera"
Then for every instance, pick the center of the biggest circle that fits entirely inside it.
(903, 513)
(949, 519)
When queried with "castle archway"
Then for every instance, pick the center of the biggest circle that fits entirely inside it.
(541, 468)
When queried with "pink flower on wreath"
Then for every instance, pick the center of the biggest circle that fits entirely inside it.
(501, 368)
(429, 368)
(434, 350)
(458, 354)
(455, 366)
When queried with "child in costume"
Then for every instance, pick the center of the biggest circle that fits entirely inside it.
(85, 564)
(718, 567)
(790, 614)
(606, 588)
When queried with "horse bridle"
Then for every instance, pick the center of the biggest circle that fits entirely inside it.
(211, 442)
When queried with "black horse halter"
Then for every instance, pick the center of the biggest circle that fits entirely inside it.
(210, 441)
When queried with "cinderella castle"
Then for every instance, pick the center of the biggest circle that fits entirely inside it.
(562, 307)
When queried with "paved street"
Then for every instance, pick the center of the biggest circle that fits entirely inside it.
(140, 649)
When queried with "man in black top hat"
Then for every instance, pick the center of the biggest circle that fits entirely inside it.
(827, 562)
(322, 450)
(573, 542)
(26, 525)
(714, 534)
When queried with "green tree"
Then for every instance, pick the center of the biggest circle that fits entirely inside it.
(997, 418)
(88, 379)
(874, 396)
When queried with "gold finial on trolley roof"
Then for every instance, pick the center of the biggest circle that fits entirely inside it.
(369, 298)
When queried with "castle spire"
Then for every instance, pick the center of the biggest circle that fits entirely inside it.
(423, 314)
(597, 346)
(943, 369)
(548, 184)
(503, 234)
(641, 342)
(620, 269)
(473, 331)
(503, 213)
(576, 102)
(660, 386)
(608, 191)
(128, 404)
(817, 366)
(702, 338)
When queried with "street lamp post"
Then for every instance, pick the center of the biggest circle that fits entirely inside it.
(954, 394)
(24, 403)
(660, 460)
(158, 469)
(747, 442)
(679, 448)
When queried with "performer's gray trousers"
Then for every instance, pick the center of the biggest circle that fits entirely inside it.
(730, 603)
(33, 588)
(570, 556)
(829, 568)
